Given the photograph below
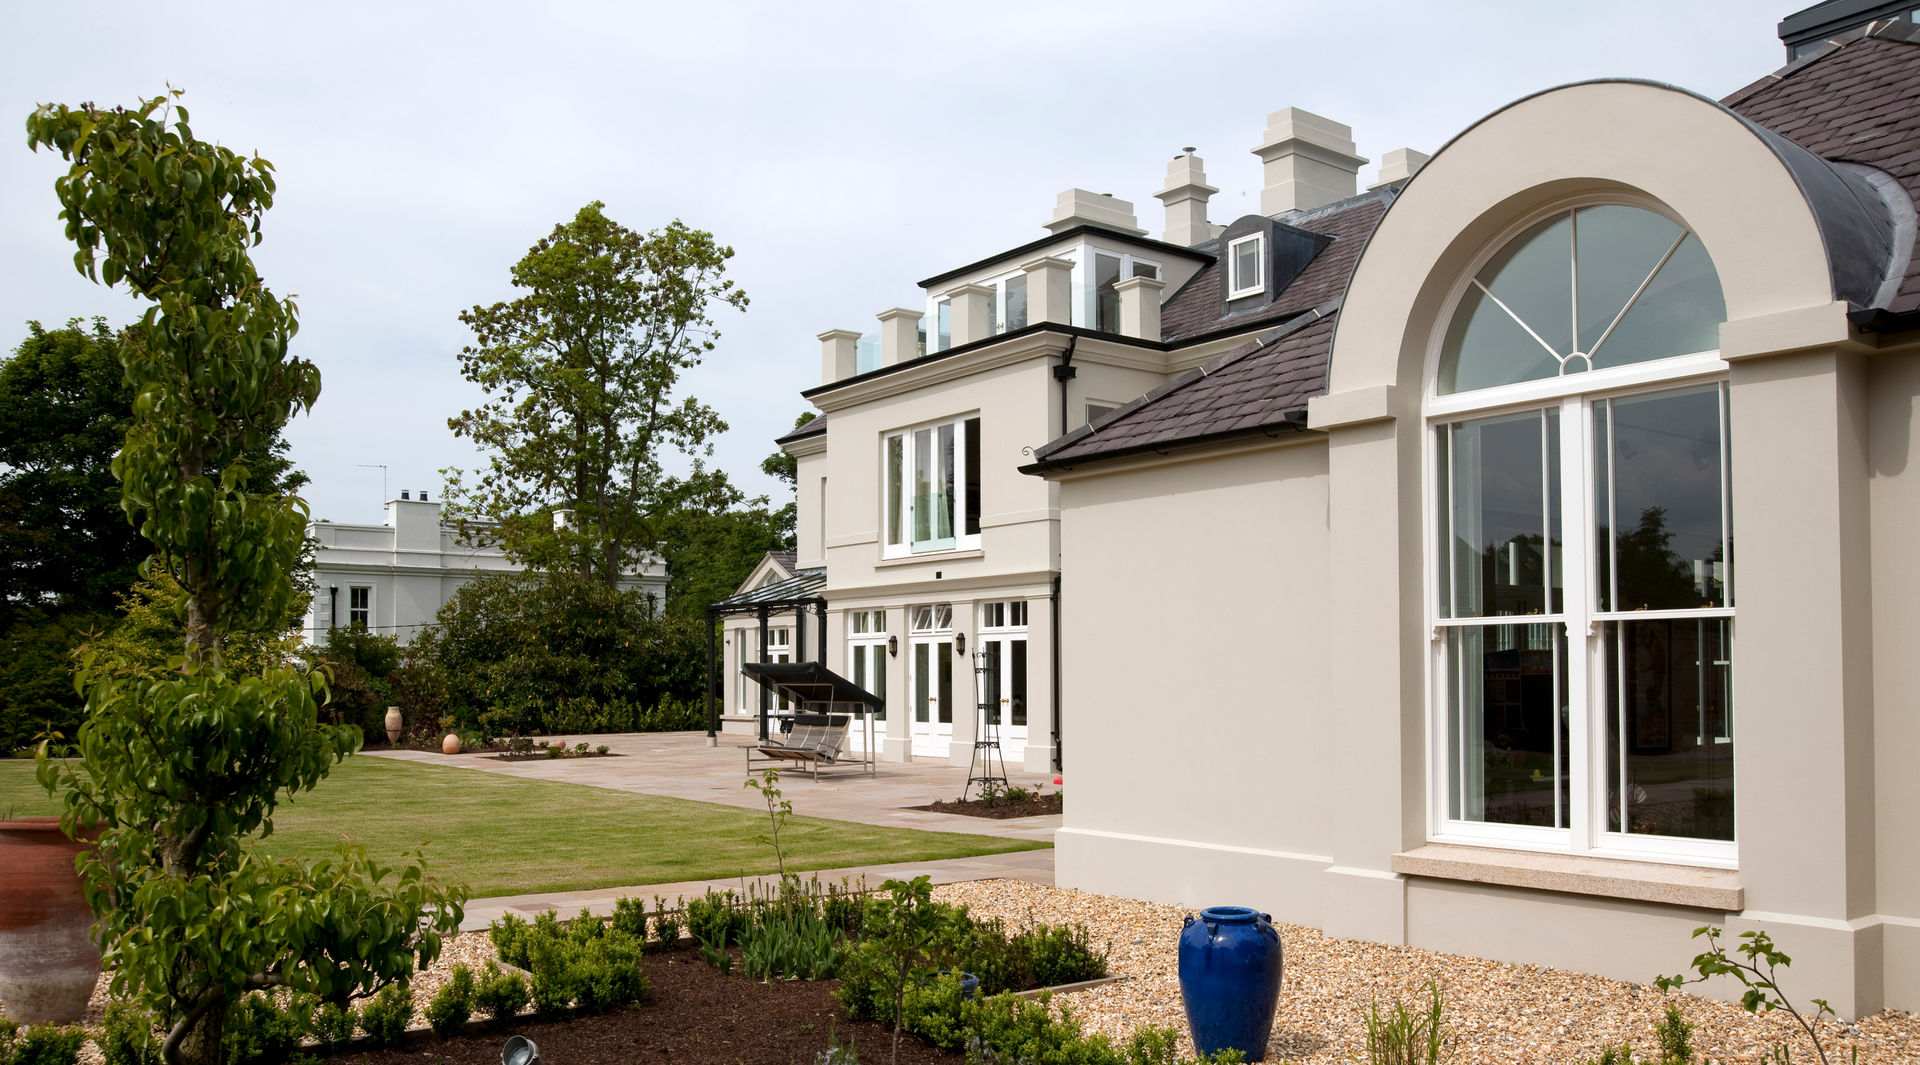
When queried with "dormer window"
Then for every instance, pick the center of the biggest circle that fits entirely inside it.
(1245, 274)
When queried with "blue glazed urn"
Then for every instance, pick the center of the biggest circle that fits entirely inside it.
(1230, 979)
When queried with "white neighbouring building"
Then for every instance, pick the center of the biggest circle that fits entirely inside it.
(394, 577)
(1394, 532)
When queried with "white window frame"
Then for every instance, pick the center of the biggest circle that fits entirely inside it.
(1237, 286)
(364, 622)
(906, 547)
(867, 644)
(1581, 620)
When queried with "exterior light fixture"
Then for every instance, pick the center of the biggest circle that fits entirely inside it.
(520, 1051)
(893, 647)
(960, 644)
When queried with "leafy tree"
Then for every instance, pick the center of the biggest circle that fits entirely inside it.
(784, 466)
(509, 648)
(68, 554)
(182, 767)
(711, 539)
(580, 374)
(64, 542)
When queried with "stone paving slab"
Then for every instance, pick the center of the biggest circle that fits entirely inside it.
(1032, 866)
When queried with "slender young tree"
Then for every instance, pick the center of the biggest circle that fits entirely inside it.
(181, 768)
(580, 374)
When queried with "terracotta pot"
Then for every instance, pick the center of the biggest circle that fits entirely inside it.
(393, 724)
(48, 963)
(450, 745)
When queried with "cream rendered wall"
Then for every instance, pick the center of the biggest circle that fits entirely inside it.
(811, 466)
(1015, 404)
(1893, 401)
(1804, 664)
(1204, 760)
(1017, 401)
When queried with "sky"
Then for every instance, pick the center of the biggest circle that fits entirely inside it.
(843, 150)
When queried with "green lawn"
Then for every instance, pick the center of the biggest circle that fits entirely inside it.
(503, 836)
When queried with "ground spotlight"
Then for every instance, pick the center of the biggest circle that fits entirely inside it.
(520, 1051)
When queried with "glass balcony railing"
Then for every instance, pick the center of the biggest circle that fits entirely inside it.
(866, 353)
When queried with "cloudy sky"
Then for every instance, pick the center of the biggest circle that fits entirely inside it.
(844, 150)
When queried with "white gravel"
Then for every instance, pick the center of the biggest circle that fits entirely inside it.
(1494, 1012)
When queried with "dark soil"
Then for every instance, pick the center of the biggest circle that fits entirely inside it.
(540, 755)
(694, 1016)
(999, 809)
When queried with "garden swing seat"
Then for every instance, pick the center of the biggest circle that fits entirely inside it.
(827, 705)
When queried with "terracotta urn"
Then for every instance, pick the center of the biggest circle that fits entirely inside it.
(450, 745)
(393, 724)
(48, 963)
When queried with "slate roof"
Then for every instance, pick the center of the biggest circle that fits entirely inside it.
(813, 428)
(788, 560)
(1857, 100)
(1195, 310)
(1261, 386)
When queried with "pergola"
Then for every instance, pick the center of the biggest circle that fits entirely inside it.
(796, 595)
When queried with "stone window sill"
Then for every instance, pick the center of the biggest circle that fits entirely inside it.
(931, 556)
(1676, 885)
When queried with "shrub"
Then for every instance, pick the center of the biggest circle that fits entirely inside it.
(499, 994)
(1675, 1035)
(666, 926)
(630, 917)
(333, 1025)
(711, 919)
(450, 1006)
(509, 935)
(384, 1018)
(42, 1044)
(259, 1031)
(128, 1036)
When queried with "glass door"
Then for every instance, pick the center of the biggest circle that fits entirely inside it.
(930, 651)
(1003, 676)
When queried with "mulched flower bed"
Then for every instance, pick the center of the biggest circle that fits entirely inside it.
(999, 809)
(539, 754)
(693, 1016)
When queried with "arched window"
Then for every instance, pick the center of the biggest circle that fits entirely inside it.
(1582, 567)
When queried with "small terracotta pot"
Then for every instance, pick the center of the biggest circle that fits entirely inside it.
(48, 963)
(393, 724)
(450, 745)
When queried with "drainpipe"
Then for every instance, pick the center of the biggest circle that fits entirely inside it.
(1059, 766)
(713, 672)
(1063, 373)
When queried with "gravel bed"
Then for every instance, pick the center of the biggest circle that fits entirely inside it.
(1495, 1012)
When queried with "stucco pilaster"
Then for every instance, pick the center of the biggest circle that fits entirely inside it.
(1803, 663)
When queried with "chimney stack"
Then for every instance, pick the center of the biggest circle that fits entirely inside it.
(1397, 166)
(1186, 198)
(1080, 207)
(1309, 160)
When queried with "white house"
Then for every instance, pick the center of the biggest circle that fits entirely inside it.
(394, 577)
(1375, 555)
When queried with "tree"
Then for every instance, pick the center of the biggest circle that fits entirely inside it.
(68, 554)
(181, 768)
(64, 541)
(711, 539)
(784, 466)
(580, 373)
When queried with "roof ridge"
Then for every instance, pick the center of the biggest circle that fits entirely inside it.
(1898, 30)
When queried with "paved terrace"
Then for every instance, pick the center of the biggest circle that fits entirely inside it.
(681, 765)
